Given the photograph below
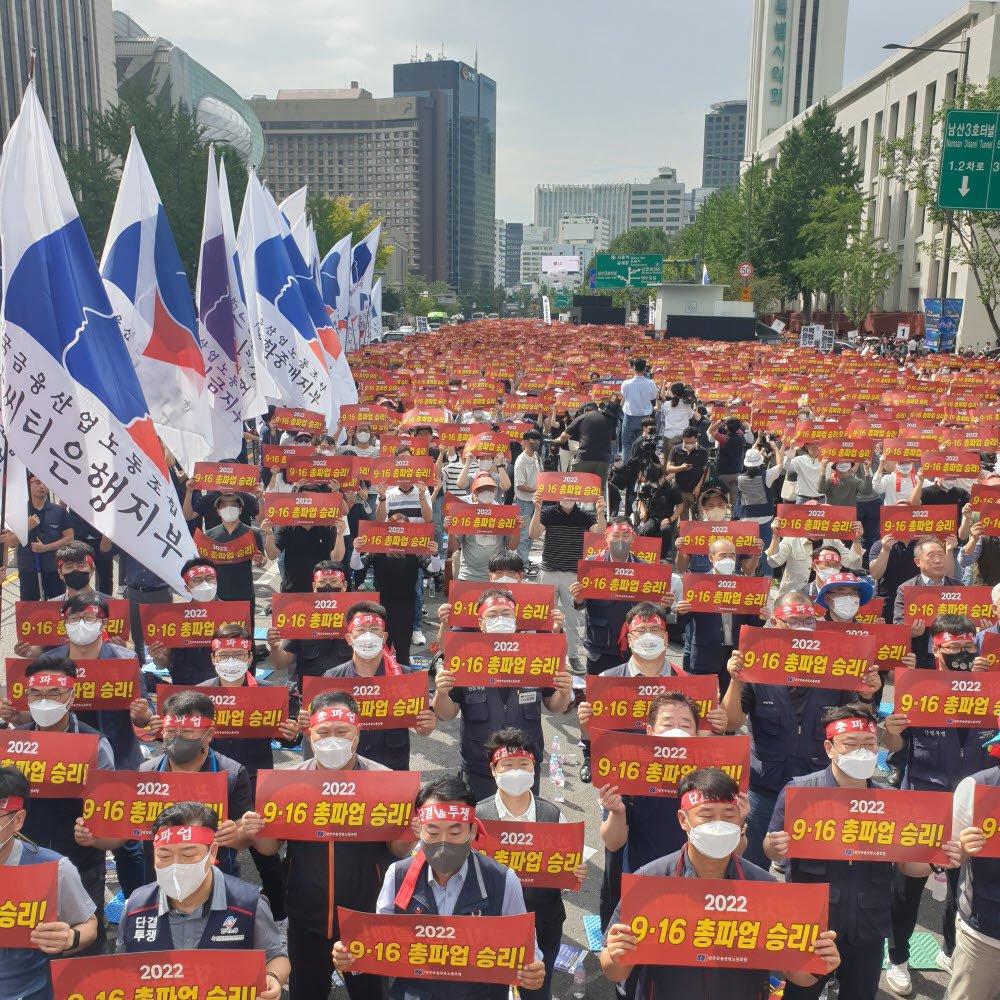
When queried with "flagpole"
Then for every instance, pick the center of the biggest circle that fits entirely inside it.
(3, 520)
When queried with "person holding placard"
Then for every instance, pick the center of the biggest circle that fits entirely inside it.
(477, 549)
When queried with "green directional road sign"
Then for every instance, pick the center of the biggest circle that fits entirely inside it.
(620, 270)
(970, 162)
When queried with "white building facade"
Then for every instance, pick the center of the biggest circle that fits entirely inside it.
(499, 252)
(608, 201)
(660, 204)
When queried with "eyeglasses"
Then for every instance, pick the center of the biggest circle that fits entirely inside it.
(40, 694)
(647, 630)
(89, 617)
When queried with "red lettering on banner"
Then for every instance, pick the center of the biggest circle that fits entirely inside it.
(477, 659)
(317, 805)
(601, 579)
(99, 685)
(542, 855)
(315, 615)
(695, 536)
(56, 764)
(534, 603)
(815, 659)
(623, 703)
(738, 594)
(40, 623)
(384, 702)
(461, 518)
(725, 924)
(304, 509)
(867, 824)
(226, 477)
(583, 487)
(179, 626)
(944, 699)
(424, 946)
(815, 521)
(123, 805)
(413, 538)
(926, 603)
(29, 897)
(242, 713)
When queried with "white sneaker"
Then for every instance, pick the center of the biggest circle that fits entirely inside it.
(897, 978)
(419, 639)
(943, 961)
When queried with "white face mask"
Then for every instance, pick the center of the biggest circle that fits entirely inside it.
(231, 669)
(946, 484)
(229, 514)
(843, 466)
(485, 464)
(858, 764)
(9, 821)
(648, 646)
(717, 839)
(486, 498)
(715, 514)
(675, 734)
(845, 607)
(515, 782)
(362, 437)
(204, 591)
(47, 712)
(904, 469)
(84, 633)
(725, 566)
(326, 452)
(825, 572)
(506, 579)
(367, 644)
(180, 881)
(333, 752)
(503, 624)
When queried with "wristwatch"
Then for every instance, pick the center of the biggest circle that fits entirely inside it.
(76, 940)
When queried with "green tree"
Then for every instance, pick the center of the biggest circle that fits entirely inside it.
(392, 300)
(177, 156)
(334, 218)
(835, 221)
(914, 159)
(868, 268)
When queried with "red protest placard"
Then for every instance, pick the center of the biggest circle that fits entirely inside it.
(533, 603)
(461, 518)
(99, 686)
(455, 435)
(336, 805)
(235, 974)
(298, 421)
(892, 642)
(473, 949)
(125, 804)
(601, 579)
(489, 443)
(56, 764)
(944, 699)
(29, 897)
(986, 503)
(803, 520)
(375, 417)
(384, 702)
(276, 455)
(243, 713)
(236, 550)
(411, 538)
(179, 626)
(304, 509)
(819, 659)
(655, 765)
(40, 623)
(226, 477)
(584, 487)
(847, 450)
(986, 816)
(622, 703)
(388, 443)
(404, 469)
(695, 536)
(990, 650)
(906, 523)
(869, 614)
(951, 463)
(645, 549)
(477, 659)
(903, 449)
(878, 430)
(716, 923)
(315, 616)
(323, 468)
(867, 824)
(735, 594)
(926, 603)
(542, 855)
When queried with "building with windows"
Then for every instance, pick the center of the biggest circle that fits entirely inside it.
(607, 201)
(499, 252)
(725, 142)
(177, 79)
(463, 104)
(903, 92)
(389, 151)
(537, 242)
(74, 63)
(513, 241)
(660, 204)
(796, 59)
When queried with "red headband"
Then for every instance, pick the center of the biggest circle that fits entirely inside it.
(446, 812)
(497, 602)
(51, 681)
(13, 802)
(623, 527)
(235, 643)
(89, 561)
(827, 557)
(788, 610)
(198, 571)
(358, 622)
(323, 574)
(96, 608)
(646, 620)
(942, 637)
(695, 798)
(168, 835)
(187, 722)
(842, 726)
(505, 753)
(332, 715)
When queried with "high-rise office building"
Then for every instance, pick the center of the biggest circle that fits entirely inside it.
(660, 204)
(464, 103)
(796, 60)
(499, 252)
(725, 142)
(515, 237)
(389, 152)
(74, 63)
(608, 201)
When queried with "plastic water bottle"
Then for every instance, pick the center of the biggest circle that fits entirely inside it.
(939, 886)
(560, 783)
(557, 747)
(553, 766)
(580, 980)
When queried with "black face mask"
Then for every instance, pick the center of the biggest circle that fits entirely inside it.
(327, 590)
(76, 579)
(961, 660)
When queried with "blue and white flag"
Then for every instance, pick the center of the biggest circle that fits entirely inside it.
(335, 279)
(705, 280)
(73, 409)
(150, 294)
(362, 275)
(373, 334)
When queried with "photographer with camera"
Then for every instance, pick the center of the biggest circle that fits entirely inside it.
(658, 506)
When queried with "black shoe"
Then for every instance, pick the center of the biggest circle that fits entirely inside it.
(585, 775)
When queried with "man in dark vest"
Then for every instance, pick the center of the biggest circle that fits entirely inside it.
(193, 906)
(445, 826)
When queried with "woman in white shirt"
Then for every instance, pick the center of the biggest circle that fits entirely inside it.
(676, 413)
(894, 481)
(363, 443)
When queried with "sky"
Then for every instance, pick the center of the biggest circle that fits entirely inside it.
(588, 92)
